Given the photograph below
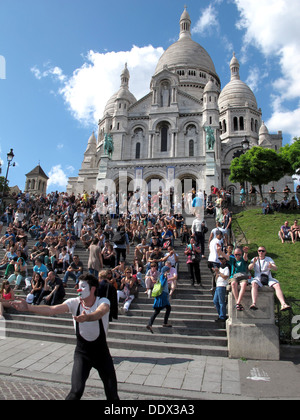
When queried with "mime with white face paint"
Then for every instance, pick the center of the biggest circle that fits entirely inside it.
(91, 318)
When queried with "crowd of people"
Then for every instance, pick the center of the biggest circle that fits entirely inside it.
(126, 250)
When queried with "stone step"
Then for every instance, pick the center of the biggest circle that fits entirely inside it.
(193, 317)
(127, 343)
(166, 335)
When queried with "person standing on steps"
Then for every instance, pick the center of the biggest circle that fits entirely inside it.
(193, 253)
(162, 301)
(91, 318)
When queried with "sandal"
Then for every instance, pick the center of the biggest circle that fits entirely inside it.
(239, 307)
(253, 307)
(285, 307)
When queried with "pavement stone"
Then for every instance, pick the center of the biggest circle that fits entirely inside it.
(41, 370)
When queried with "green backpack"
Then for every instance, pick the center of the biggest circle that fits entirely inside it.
(157, 289)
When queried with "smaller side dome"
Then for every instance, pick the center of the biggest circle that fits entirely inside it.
(210, 87)
(123, 93)
(236, 93)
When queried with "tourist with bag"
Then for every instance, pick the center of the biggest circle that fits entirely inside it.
(263, 267)
(238, 263)
(161, 294)
(193, 254)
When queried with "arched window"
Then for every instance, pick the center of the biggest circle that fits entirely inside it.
(191, 148)
(252, 124)
(164, 138)
(235, 124)
(242, 123)
(224, 128)
(138, 151)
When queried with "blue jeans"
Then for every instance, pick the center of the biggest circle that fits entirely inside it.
(220, 302)
(72, 275)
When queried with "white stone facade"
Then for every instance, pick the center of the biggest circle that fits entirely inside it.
(162, 135)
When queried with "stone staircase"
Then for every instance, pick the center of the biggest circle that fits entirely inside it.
(193, 317)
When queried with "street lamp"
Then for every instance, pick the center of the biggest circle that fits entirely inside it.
(10, 156)
(245, 144)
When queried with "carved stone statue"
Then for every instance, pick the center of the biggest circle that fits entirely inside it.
(165, 95)
(210, 138)
(108, 145)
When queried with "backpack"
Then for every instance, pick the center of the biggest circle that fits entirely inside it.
(119, 237)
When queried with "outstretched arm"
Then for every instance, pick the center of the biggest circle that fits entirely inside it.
(22, 306)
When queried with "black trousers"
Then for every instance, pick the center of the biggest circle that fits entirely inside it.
(200, 241)
(88, 355)
(86, 359)
(119, 252)
(194, 270)
(157, 312)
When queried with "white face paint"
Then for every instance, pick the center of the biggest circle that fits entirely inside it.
(84, 290)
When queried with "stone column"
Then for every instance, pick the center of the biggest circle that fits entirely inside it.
(253, 334)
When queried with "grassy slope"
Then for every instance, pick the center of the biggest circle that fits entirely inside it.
(261, 230)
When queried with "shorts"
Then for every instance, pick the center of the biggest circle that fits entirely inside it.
(271, 282)
(239, 277)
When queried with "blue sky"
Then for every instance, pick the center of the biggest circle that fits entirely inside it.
(60, 61)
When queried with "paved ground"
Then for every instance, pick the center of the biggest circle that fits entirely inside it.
(41, 370)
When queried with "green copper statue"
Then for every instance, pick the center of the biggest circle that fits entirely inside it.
(108, 145)
(210, 138)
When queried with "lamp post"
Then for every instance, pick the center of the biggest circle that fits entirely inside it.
(246, 147)
(10, 156)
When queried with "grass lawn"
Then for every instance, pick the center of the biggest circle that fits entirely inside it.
(262, 230)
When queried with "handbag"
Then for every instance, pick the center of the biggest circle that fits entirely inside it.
(157, 289)
(264, 278)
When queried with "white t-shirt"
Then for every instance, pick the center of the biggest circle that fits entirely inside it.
(262, 267)
(213, 253)
(220, 281)
(90, 331)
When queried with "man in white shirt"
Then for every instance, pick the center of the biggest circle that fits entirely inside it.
(199, 229)
(213, 258)
(222, 275)
(91, 318)
(263, 267)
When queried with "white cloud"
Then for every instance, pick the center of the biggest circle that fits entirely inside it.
(60, 146)
(89, 88)
(207, 21)
(55, 72)
(273, 27)
(255, 78)
(57, 177)
(287, 120)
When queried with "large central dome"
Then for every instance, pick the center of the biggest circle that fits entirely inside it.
(186, 53)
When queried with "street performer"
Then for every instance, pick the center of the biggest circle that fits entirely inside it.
(91, 318)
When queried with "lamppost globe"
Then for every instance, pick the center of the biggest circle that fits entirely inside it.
(10, 156)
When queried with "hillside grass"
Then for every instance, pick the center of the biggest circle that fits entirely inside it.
(262, 230)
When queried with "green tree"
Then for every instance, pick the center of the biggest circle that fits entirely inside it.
(291, 152)
(3, 189)
(259, 166)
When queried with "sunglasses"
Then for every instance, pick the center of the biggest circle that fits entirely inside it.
(261, 250)
(237, 255)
